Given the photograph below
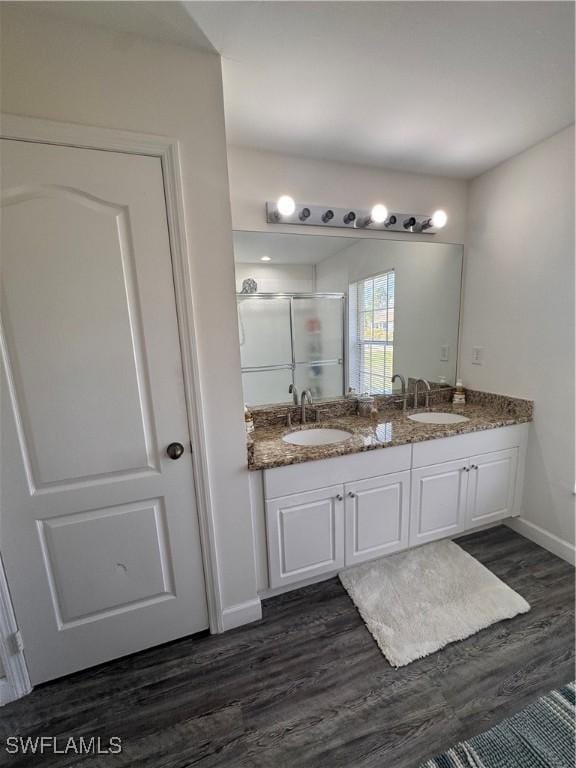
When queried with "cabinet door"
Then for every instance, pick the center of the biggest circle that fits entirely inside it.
(305, 535)
(377, 514)
(491, 487)
(438, 501)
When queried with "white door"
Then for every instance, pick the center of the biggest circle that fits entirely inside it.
(305, 535)
(491, 487)
(438, 501)
(377, 514)
(99, 527)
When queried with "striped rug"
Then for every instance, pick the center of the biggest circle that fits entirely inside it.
(540, 736)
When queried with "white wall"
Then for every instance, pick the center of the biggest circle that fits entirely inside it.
(271, 278)
(427, 298)
(519, 306)
(67, 72)
(259, 176)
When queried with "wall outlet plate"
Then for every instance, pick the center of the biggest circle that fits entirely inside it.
(477, 355)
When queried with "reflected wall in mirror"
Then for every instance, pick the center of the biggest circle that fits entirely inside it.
(331, 313)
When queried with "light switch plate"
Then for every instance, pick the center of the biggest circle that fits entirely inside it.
(477, 355)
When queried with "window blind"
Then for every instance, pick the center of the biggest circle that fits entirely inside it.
(371, 334)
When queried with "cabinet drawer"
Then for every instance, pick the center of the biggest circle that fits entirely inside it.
(462, 446)
(297, 478)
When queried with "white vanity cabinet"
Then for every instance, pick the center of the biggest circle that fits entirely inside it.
(491, 484)
(305, 535)
(376, 517)
(438, 501)
(457, 496)
(322, 516)
(322, 531)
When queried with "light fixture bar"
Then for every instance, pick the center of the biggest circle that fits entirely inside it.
(308, 215)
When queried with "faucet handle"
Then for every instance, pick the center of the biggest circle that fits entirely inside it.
(292, 390)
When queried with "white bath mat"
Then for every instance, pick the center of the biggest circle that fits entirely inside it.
(416, 602)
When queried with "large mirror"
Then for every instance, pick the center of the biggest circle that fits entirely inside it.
(333, 313)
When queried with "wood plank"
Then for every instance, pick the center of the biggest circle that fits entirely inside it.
(307, 686)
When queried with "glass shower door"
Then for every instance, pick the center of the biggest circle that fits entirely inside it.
(318, 327)
(264, 325)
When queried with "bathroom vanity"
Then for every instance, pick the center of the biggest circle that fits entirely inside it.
(358, 315)
(393, 484)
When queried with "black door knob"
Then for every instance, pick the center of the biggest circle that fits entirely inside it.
(175, 450)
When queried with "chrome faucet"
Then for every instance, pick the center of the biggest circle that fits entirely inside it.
(402, 381)
(306, 396)
(294, 392)
(427, 393)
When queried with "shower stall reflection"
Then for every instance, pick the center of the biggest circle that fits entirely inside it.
(291, 338)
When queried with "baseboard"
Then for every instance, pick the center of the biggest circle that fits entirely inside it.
(275, 591)
(242, 613)
(545, 539)
(7, 692)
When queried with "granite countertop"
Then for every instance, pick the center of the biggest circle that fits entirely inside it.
(389, 428)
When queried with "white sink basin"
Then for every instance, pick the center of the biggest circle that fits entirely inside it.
(308, 437)
(438, 418)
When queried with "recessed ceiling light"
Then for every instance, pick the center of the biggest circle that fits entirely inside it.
(265, 258)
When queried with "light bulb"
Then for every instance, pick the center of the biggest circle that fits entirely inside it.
(439, 219)
(286, 205)
(265, 258)
(379, 214)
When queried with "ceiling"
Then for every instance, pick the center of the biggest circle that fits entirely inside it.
(249, 247)
(449, 88)
(167, 22)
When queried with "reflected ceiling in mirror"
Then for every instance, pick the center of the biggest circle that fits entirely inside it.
(331, 313)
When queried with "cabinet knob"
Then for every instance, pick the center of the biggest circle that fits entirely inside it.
(339, 497)
(351, 494)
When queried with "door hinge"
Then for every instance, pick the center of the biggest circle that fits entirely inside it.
(15, 643)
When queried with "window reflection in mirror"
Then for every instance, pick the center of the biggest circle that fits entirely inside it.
(328, 313)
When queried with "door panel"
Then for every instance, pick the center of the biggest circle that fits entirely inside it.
(99, 527)
(82, 298)
(305, 535)
(377, 515)
(89, 555)
(438, 501)
(491, 490)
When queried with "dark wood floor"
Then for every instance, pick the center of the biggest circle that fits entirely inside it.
(307, 686)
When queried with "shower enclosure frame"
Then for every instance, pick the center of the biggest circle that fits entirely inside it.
(291, 297)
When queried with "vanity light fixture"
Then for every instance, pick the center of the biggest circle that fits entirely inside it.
(378, 215)
(327, 216)
(437, 220)
(409, 223)
(285, 205)
(286, 211)
(349, 218)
